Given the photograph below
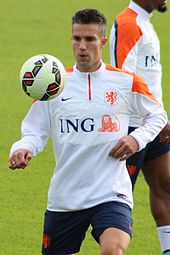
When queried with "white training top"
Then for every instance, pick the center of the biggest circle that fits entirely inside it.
(86, 120)
(134, 46)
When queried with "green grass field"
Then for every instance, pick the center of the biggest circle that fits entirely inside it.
(28, 28)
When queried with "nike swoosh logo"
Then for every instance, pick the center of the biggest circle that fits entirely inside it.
(166, 232)
(65, 99)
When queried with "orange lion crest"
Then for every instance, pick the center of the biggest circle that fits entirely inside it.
(108, 125)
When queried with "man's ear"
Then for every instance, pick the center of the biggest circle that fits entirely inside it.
(103, 41)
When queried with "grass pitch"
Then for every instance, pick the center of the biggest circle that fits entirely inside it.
(28, 28)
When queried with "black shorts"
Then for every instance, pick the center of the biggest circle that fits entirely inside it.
(152, 150)
(65, 231)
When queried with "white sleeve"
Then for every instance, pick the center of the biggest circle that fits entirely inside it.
(35, 129)
(145, 105)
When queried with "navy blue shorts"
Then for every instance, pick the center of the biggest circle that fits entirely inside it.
(65, 231)
(152, 150)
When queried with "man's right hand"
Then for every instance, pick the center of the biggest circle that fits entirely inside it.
(20, 159)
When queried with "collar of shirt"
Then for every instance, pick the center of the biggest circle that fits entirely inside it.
(95, 73)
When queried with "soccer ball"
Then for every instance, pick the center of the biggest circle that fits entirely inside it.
(42, 77)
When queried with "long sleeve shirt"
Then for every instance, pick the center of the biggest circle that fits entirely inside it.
(86, 120)
(134, 46)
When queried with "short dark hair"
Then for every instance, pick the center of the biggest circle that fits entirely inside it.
(90, 16)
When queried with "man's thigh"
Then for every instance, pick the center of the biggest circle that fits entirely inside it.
(156, 166)
(64, 232)
(112, 214)
(154, 160)
(113, 239)
(157, 172)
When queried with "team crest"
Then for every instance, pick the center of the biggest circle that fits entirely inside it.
(131, 169)
(111, 97)
(46, 241)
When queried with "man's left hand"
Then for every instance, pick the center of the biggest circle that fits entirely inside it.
(125, 148)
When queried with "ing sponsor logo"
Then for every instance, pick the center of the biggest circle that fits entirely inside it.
(151, 61)
(108, 124)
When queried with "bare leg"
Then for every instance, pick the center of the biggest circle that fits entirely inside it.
(157, 175)
(114, 242)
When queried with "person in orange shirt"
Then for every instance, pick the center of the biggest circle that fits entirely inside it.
(134, 46)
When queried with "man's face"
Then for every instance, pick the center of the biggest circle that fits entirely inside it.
(87, 41)
(160, 5)
(150, 5)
